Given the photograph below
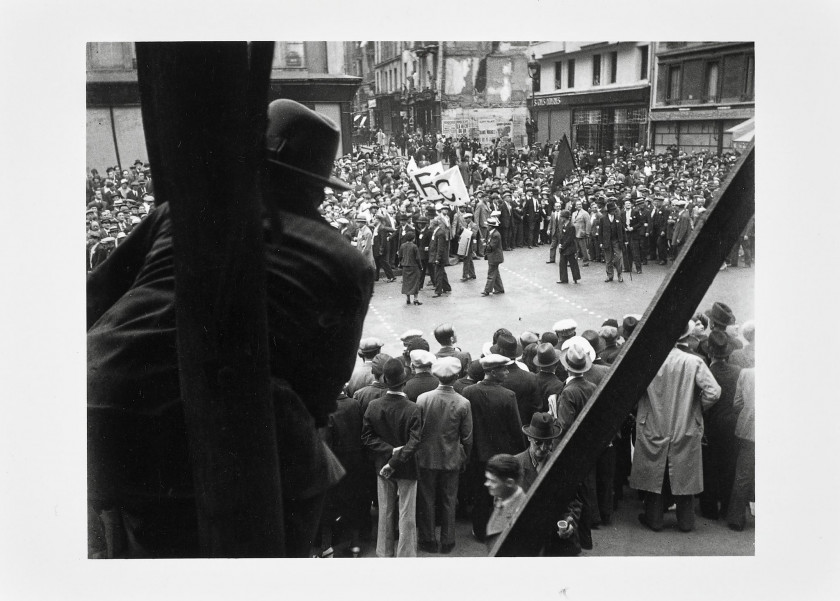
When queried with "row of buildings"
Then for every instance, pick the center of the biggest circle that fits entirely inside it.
(692, 95)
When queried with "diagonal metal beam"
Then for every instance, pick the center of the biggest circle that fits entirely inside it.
(204, 112)
(637, 363)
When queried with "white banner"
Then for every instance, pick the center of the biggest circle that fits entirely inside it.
(447, 186)
(423, 178)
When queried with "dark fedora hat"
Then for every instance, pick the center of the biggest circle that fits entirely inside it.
(542, 427)
(302, 141)
(721, 313)
(546, 355)
(718, 344)
(506, 345)
(393, 373)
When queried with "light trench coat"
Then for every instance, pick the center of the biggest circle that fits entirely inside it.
(669, 425)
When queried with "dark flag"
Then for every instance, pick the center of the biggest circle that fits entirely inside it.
(564, 165)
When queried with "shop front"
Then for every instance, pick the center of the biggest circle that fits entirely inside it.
(601, 121)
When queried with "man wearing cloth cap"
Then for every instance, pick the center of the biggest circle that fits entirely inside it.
(377, 388)
(495, 256)
(391, 431)
(682, 227)
(362, 376)
(422, 380)
(542, 434)
(446, 443)
(496, 429)
(611, 240)
(135, 416)
(669, 428)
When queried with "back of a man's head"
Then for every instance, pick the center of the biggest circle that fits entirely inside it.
(444, 333)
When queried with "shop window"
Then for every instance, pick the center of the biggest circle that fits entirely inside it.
(613, 67)
(596, 70)
(570, 74)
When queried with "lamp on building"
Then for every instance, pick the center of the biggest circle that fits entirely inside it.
(533, 70)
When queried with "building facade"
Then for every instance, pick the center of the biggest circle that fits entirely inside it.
(596, 93)
(310, 72)
(703, 94)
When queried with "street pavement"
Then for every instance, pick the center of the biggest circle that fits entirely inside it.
(534, 301)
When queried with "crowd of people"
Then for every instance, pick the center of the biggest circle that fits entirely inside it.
(426, 437)
(431, 436)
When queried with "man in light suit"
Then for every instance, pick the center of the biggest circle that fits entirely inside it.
(582, 223)
(444, 447)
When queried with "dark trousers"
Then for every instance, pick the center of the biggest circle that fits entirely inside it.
(383, 263)
(595, 252)
(589, 514)
(532, 234)
(655, 507)
(469, 268)
(623, 460)
(425, 269)
(645, 244)
(431, 484)
(625, 255)
(482, 501)
(613, 257)
(635, 252)
(743, 489)
(507, 237)
(747, 245)
(605, 483)
(441, 279)
(662, 248)
(566, 262)
(719, 457)
(518, 234)
(494, 280)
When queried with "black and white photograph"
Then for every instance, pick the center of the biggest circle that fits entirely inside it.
(462, 302)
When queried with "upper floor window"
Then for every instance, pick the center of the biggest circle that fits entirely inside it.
(570, 73)
(596, 70)
(643, 60)
(712, 82)
(558, 75)
(613, 67)
(674, 77)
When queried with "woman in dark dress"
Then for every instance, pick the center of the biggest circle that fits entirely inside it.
(411, 268)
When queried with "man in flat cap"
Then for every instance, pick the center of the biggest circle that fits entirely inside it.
(391, 432)
(422, 380)
(362, 376)
(446, 444)
(496, 429)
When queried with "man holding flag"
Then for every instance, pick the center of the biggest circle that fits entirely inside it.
(564, 164)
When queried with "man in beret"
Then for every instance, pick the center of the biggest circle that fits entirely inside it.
(496, 429)
(668, 456)
(391, 432)
(446, 443)
(422, 380)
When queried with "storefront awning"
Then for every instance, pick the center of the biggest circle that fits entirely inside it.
(743, 132)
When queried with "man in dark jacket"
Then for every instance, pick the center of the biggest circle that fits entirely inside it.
(391, 432)
(496, 429)
(611, 240)
(659, 230)
(381, 243)
(495, 257)
(522, 382)
(568, 249)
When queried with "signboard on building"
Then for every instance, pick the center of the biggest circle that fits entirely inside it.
(487, 130)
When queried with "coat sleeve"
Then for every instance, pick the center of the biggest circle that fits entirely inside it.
(466, 430)
(415, 431)
(709, 388)
(370, 439)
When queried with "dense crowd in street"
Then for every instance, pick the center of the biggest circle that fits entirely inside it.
(426, 437)
(465, 432)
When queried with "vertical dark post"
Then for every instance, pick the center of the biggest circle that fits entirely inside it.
(114, 135)
(637, 363)
(204, 111)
